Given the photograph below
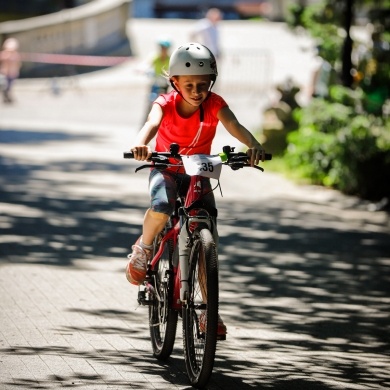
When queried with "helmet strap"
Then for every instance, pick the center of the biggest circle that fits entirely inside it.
(174, 86)
(201, 113)
(177, 90)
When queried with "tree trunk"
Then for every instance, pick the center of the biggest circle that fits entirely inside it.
(346, 71)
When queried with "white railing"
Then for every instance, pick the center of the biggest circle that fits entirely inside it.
(98, 27)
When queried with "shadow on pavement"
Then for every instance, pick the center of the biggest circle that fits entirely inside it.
(36, 137)
(171, 372)
(314, 290)
(46, 225)
(306, 286)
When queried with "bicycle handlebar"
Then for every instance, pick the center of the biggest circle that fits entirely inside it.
(228, 156)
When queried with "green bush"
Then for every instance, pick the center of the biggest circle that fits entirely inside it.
(324, 116)
(336, 146)
(343, 141)
(363, 158)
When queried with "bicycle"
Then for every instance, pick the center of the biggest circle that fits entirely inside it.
(182, 277)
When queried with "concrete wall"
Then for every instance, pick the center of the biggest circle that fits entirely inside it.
(96, 28)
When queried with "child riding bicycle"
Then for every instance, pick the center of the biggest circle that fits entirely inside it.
(155, 70)
(188, 116)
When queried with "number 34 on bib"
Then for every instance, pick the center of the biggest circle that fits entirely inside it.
(203, 165)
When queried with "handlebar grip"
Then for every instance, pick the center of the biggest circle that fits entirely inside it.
(268, 156)
(154, 154)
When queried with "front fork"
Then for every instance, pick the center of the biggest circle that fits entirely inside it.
(185, 245)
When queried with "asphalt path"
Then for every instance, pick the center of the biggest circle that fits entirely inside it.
(304, 271)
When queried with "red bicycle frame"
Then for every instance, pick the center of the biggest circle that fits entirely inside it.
(195, 191)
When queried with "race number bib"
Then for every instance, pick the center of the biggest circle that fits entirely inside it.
(203, 165)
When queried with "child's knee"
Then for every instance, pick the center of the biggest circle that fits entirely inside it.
(158, 215)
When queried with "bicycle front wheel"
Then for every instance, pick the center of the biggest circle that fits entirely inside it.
(162, 318)
(200, 314)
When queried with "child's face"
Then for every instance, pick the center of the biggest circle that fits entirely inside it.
(193, 88)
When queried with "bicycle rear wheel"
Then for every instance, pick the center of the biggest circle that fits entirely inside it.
(200, 341)
(162, 318)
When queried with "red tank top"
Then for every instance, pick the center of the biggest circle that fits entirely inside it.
(190, 134)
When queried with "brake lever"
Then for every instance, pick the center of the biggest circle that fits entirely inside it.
(253, 166)
(159, 162)
(257, 167)
(143, 167)
(156, 166)
(238, 165)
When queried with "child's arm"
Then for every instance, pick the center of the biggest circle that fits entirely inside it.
(256, 152)
(140, 146)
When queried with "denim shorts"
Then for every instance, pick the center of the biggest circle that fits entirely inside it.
(165, 187)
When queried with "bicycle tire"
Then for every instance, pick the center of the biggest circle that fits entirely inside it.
(162, 318)
(199, 348)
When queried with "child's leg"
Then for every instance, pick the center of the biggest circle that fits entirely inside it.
(153, 224)
(163, 197)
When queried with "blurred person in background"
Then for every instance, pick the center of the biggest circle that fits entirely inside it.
(156, 69)
(206, 31)
(10, 63)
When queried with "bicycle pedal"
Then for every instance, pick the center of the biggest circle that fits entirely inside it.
(142, 300)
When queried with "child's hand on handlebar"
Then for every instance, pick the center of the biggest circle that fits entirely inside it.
(256, 154)
(141, 152)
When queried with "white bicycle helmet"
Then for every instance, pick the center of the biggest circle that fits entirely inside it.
(193, 59)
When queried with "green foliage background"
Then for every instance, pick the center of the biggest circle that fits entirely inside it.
(334, 146)
(343, 141)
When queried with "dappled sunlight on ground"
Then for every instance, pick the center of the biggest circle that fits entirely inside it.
(306, 304)
(304, 279)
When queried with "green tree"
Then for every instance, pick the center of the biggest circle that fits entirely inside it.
(343, 140)
(325, 21)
